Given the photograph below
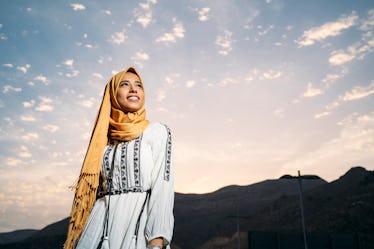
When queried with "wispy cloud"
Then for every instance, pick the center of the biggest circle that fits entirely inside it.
(118, 37)
(257, 74)
(23, 69)
(203, 14)
(8, 88)
(11, 161)
(311, 92)
(160, 95)
(28, 104)
(322, 114)
(51, 128)
(368, 23)
(139, 57)
(77, 6)
(171, 37)
(69, 62)
(42, 78)
(8, 65)
(24, 152)
(98, 75)
(44, 105)
(28, 118)
(143, 15)
(30, 136)
(190, 83)
(359, 92)
(356, 93)
(327, 30)
(224, 42)
(356, 51)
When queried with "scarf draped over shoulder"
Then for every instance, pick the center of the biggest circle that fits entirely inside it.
(111, 123)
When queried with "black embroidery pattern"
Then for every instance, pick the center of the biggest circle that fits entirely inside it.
(101, 190)
(137, 161)
(120, 191)
(167, 155)
(124, 165)
(106, 160)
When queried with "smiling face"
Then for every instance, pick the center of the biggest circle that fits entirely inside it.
(130, 93)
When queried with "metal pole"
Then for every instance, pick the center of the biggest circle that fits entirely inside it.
(238, 228)
(302, 210)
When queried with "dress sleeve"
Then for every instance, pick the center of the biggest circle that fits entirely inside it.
(160, 220)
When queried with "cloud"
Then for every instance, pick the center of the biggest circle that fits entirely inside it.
(26, 104)
(203, 14)
(3, 37)
(161, 95)
(27, 118)
(177, 33)
(118, 37)
(8, 88)
(256, 74)
(190, 83)
(224, 42)
(42, 78)
(29, 136)
(77, 6)
(139, 57)
(356, 51)
(359, 92)
(69, 62)
(143, 15)
(340, 57)
(72, 74)
(322, 114)
(368, 23)
(8, 65)
(329, 78)
(87, 103)
(44, 105)
(263, 32)
(24, 152)
(23, 69)
(354, 143)
(311, 92)
(108, 12)
(329, 29)
(50, 128)
(10, 161)
(97, 75)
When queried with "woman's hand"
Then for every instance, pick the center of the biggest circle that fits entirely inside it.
(157, 242)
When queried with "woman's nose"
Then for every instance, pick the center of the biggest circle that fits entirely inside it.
(132, 88)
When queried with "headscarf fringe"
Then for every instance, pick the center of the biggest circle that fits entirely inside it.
(84, 199)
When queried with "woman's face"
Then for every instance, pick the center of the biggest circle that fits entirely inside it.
(130, 93)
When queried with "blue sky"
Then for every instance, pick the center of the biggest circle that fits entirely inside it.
(252, 90)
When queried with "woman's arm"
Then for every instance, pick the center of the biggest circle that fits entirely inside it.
(160, 222)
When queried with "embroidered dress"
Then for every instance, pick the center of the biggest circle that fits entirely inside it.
(141, 166)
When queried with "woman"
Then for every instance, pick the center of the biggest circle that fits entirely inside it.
(124, 195)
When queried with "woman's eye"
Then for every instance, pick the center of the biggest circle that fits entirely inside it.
(124, 83)
(140, 85)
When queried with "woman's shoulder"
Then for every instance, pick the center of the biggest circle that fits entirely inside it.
(158, 130)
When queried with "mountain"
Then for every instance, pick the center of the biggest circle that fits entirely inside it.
(15, 236)
(207, 220)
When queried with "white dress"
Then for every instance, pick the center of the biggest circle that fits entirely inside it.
(141, 165)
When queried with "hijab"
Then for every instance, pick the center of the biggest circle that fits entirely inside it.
(112, 123)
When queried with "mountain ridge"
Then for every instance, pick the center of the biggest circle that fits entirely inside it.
(269, 204)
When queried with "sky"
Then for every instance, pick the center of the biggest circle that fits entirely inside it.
(251, 90)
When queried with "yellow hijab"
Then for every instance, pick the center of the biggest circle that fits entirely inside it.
(111, 122)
